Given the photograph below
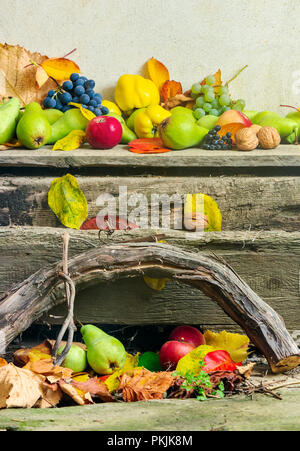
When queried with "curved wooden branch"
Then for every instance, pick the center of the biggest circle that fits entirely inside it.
(44, 289)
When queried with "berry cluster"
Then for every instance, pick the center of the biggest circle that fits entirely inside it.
(208, 101)
(213, 141)
(78, 90)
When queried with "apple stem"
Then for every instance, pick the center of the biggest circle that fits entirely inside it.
(236, 75)
(289, 106)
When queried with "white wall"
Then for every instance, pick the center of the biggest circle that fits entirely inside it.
(192, 37)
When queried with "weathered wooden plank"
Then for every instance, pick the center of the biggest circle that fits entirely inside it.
(267, 261)
(255, 203)
(285, 156)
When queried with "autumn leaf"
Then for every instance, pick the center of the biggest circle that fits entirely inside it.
(22, 356)
(89, 115)
(72, 141)
(59, 68)
(158, 73)
(19, 387)
(190, 362)
(2, 362)
(79, 396)
(170, 89)
(67, 201)
(41, 76)
(235, 344)
(201, 212)
(218, 361)
(218, 83)
(177, 100)
(143, 385)
(95, 387)
(18, 75)
(113, 381)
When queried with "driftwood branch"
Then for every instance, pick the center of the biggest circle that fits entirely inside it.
(27, 301)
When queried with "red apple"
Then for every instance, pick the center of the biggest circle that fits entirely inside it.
(104, 132)
(171, 352)
(188, 334)
(231, 116)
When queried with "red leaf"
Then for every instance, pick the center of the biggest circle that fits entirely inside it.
(107, 223)
(218, 361)
(147, 145)
(170, 89)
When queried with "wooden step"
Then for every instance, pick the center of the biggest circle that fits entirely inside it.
(267, 260)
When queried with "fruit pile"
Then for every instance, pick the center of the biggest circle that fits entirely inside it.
(213, 141)
(213, 99)
(78, 90)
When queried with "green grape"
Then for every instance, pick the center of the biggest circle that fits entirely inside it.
(196, 88)
(215, 103)
(198, 113)
(224, 100)
(214, 112)
(200, 102)
(209, 96)
(205, 88)
(207, 107)
(210, 80)
(240, 103)
(224, 108)
(223, 90)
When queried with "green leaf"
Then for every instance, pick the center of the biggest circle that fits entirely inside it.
(67, 201)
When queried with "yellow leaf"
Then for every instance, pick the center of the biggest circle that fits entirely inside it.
(191, 361)
(235, 344)
(82, 377)
(89, 115)
(202, 212)
(72, 141)
(158, 73)
(131, 362)
(60, 68)
(155, 284)
(67, 201)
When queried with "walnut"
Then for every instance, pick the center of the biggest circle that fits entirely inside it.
(246, 139)
(268, 137)
(255, 128)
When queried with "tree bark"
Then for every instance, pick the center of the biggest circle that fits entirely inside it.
(27, 301)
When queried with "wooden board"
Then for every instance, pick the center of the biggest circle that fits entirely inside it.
(268, 262)
(246, 203)
(285, 156)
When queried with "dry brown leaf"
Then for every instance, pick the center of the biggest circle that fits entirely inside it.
(52, 395)
(95, 387)
(79, 396)
(178, 100)
(21, 356)
(16, 80)
(19, 387)
(142, 385)
(246, 370)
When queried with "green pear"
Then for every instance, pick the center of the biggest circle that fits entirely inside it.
(283, 125)
(76, 358)
(52, 115)
(105, 354)
(209, 121)
(71, 120)
(9, 112)
(131, 118)
(250, 114)
(33, 129)
(182, 110)
(179, 131)
(127, 135)
(261, 115)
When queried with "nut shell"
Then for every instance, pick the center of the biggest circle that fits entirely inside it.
(246, 139)
(268, 137)
(255, 128)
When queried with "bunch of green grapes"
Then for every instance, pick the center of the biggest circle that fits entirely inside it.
(207, 101)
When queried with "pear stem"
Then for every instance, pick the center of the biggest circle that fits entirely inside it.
(236, 75)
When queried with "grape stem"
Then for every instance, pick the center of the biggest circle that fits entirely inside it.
(236, 75)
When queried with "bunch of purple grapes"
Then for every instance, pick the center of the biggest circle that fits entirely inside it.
(77, 90)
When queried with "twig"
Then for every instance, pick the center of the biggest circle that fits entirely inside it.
(236, 75)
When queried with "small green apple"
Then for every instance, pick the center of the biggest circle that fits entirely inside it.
(76, 358)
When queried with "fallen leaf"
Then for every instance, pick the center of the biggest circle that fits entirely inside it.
(79, 396)
(158, 73)
(235, 344)
(67, 201)
(191, 361)
(177, 100)
(95, 387)
(107, 223)
(19, 387)
(112, 382)
(72, 141)
(170, 89)
(89, 115)
(218, 361)
(147, 146)
(16, 80)
(201, 212)
(41, 76)
(22, 356)
(2, 362)
(143, 385)
(59, 68)
(155, 284)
